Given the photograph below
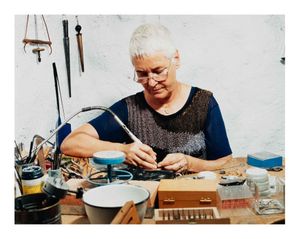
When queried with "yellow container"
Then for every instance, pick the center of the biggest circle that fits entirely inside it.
(32, 180)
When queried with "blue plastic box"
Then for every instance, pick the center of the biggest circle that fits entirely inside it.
(264, 160)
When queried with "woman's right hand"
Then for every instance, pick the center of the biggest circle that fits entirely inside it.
(140, 155)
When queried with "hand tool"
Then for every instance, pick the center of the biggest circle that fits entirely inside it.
(67, 52)
(79, 43)
(85, 109)
(62, 133)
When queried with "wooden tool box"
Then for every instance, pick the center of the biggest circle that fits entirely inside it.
(183, 193)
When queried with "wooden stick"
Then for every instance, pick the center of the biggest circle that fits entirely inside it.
(127, 215)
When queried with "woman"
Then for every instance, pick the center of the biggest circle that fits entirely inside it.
(181, 126)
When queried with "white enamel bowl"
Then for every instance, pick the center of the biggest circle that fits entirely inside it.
(103, 203)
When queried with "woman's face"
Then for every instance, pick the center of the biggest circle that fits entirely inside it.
(158, 64)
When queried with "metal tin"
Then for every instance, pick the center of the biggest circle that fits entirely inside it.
(37, 208)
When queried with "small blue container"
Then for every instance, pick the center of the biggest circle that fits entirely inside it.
(264, 160)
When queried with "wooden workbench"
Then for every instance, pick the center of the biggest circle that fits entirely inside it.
(237, 166)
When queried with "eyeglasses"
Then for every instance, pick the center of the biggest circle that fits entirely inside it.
(144, 77)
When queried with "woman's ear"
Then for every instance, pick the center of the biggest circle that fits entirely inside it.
(176, 59)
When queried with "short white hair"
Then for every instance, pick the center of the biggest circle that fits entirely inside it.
(149, 39)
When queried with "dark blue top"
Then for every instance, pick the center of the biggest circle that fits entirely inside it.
(216, 140)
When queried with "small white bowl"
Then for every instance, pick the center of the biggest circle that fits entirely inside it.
(103, 203)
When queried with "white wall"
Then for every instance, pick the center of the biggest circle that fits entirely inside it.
(235, 57)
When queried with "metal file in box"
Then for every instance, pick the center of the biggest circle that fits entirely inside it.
(264, 160)
(182, 193)
(198, 215)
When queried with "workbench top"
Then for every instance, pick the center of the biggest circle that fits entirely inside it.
(237, 166)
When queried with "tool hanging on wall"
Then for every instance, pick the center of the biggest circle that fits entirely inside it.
(67, 52)
(66, 129)
(79, 43)
(36, 41)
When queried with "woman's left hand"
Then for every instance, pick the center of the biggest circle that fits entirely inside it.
(176, 162)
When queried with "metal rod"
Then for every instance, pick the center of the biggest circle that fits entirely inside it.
(56, 87)
(54, 132)
(67, 53)
(130, 134)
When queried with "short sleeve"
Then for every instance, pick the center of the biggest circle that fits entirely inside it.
(107, 127)
(217, 144)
